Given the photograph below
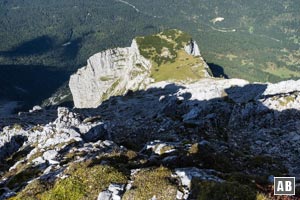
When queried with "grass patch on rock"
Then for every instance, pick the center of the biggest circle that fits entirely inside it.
(22, 176)
(83, 182)
(32, 191)
(150, 183)
(168, 57)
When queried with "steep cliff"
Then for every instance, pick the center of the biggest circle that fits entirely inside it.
(149, 59)
(112, 72)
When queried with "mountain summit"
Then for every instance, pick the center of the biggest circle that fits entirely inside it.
(170, 55)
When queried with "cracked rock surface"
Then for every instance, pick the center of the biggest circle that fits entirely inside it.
(179, 141)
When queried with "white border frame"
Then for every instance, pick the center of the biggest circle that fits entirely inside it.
(294, 178)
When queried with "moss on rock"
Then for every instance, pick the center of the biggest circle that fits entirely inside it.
(150, 183)
(83, 182)
(32, 191)
(23, 176)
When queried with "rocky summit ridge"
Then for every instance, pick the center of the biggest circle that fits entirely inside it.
(169, 55)
(173, 138)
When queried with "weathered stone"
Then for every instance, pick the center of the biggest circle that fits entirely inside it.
(50, 155)
(187, 174)
(105, 195)
(36, 109)
(109, 73)
(113, 192)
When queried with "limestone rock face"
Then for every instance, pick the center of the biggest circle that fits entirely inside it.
(109, 73)
(116, 71)
(192, 48)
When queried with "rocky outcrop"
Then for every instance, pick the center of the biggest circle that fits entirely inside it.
(192, 48)
(109, 73)
(116, 71)
(204, 132)
(114, 192)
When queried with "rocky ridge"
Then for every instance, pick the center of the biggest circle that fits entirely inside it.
(212, 133)
(116, 71)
